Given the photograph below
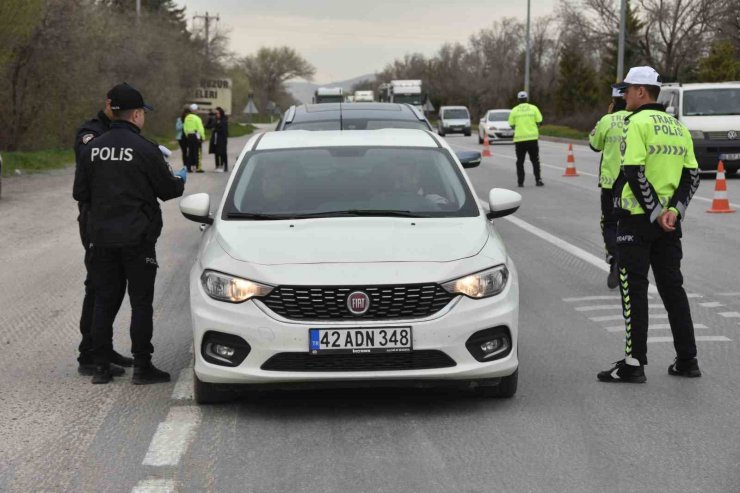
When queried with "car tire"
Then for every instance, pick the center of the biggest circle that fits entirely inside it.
(467, 134)
(208, 393)
(505, 389)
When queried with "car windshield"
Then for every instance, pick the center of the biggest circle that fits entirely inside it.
(407, 98)
(357, 124)
(349, 181)
(711, 102)
(458, 114)
(499, 116)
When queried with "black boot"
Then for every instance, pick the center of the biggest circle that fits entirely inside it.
(121, 360)
(685, 368)
(539, 183)
(145, 374)
(622, 372)
(102, 373)
(88, 369)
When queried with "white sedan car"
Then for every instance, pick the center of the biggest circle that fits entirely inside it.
(496, 123)
(352, 259)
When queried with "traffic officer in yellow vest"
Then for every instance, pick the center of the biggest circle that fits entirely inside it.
(525, 119)
(194, 132)
(658, 177)
(606, 138)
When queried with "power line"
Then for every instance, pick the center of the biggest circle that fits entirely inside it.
(207, 18)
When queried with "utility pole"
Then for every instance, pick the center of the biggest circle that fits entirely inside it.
(138, 11)
(526, 63)
(207, 19)
(622, 29)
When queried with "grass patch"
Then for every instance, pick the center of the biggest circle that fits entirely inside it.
(563, 132)
(240, 129)
(37, 160)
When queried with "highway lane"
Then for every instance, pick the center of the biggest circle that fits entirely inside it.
(562, 431)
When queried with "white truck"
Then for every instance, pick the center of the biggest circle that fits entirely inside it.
(406, 91)
(328, 95)
(364, 97)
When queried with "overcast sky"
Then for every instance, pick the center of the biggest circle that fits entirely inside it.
(348, 38)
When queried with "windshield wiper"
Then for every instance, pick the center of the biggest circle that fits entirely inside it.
(256, 216)
(360, 212)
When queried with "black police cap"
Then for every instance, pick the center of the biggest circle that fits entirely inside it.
(125, 97)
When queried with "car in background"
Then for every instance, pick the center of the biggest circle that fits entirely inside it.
(711, 112)
(496, 123)
(453, 119)
(352, 259)
(355, 116)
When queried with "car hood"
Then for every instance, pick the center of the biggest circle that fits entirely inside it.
(499, 125)
(355, 240)
(712, 123)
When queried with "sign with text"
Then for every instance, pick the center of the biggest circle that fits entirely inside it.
(211, 93)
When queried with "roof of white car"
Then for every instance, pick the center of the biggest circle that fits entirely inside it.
(291, 139)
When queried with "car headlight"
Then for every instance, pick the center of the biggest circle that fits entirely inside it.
(492, 127)
(696, 134)
(224, 287)
(483, 284)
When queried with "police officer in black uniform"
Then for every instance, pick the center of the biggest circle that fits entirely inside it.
(88, 131)
(122, 175)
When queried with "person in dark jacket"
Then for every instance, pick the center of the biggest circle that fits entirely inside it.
(219, 125)
(87, 132)
(122, 176)
(180, 135)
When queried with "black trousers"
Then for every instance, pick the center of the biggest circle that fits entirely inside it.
(88, 306)
(136, 265)
(532, 148)
(609, 224)
(184, 149)
(222, 161)
(194, 150)
(641, 245)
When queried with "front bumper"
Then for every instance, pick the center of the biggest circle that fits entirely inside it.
(710, 152)
(456, 130)
(268, 334)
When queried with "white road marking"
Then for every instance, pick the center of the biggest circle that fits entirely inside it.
(694, 295)
(711, 304)
(184, 386)
(727, 294)
(698, 339)
(173, 436)
(609, 307)
(154, 486)
(729, 314)
(620, 328)
(595, 298)
(611, 318)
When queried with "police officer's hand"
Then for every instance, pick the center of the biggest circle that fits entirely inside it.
(182, 174)
(667, 220)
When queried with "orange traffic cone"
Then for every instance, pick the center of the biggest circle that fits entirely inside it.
(486, 147)
(720, 203)
(570, 170)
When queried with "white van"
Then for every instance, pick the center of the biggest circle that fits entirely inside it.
(711, 112)
(453, 119)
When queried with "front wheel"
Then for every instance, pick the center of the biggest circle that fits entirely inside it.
(731, 172)
(506, 387)
(209, 393)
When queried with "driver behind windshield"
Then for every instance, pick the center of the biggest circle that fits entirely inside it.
(405, 177)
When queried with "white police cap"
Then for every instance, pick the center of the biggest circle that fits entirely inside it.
(193, 107)
(522, 95)
(640, 76)
(617, 93)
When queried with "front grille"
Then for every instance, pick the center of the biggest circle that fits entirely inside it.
(720, 135)
(330, 303)
(415, 360)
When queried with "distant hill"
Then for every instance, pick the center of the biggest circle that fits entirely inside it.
(303, 91)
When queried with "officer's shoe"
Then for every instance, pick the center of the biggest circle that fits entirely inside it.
(146, 374)
(685, 368)
(121, 360)
(539, 183)
(104, 373)
(612, 280)
(623, 373)
(88, 370)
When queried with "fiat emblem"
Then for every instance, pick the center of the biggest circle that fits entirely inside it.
(732, 135)
(358, 303)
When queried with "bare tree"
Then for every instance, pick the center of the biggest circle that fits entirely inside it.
(270, 68)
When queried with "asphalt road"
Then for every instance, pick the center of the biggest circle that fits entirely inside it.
(563, 431)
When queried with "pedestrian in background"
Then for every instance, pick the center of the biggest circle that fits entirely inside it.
(87, 132)
(659, 175)
(123, 175)
(194, 134)
(525, 119)
(218, 123)
(180, 135)
(606, 138)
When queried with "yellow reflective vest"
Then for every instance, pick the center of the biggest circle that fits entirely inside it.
(525, 119)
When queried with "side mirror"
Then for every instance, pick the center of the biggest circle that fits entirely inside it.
(502, 202)
(671, 110)
(196, 207)
(469, 159)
